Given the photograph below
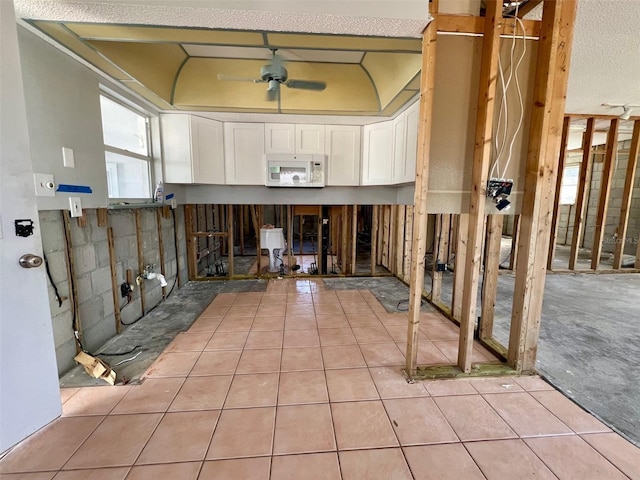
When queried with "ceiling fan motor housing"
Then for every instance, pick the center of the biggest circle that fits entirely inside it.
(273, 72)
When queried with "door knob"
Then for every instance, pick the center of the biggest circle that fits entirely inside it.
(29, 260)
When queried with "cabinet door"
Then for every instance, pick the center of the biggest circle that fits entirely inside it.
(378, 154)
(279, 138)
(244, 153)
(412, 116)
(342, 146)
(310, 139)
(207, 151)
(399, 140)
(176, 148)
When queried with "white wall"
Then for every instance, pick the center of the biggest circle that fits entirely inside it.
(29, 394)
(63, 110)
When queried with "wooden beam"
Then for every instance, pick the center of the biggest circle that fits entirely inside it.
(161, 248)
(481, 164)
(354, 240)
(528, 7)
(139, 244)
(441, 249)
(192, 261)
(408, 235)
(460, 264)
(605, 190)
(241, 228)
(513, 254)
(344, 240)
(71, 275)
(258, 218)
(103, 217)
(549, 94)
(114, 281)
(374, 239)
(419, 237)
(230, 240)
(290, 237)
(490, 277)
(399, 241)
(627, 194)
(556, 203)
(472, 25)
(582, 193)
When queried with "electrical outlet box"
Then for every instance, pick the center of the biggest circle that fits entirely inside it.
(75, 206)
(44, 185)
(499, 186)
(441, 267)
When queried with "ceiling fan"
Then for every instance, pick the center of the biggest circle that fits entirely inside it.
(275, 74)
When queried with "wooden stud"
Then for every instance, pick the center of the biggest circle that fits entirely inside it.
(408, 235)
(460, 264)
(103, 217)
(319, 249)
(627, 194)
(354, 240)
(386, 233)
(230, 240)
(549, 94)
(344, 237)
(241, 225)
(582, 193)
(380, 246)
(441, 249)
(605, 190)
(114, 280)
(399, 240)
(166, 211)
(467, 24)
(556, 204)
(528, 7)
(260, 220)
(490, 278)
(513, 254)
(192, 261)
(139, 243)
(82, 220)
(374, 239)
(290, 236)
(481, 163)
(71, 275)
(161, 249)
(419, 231)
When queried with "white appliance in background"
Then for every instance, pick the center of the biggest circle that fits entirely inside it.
(273, 239)
(286, 170)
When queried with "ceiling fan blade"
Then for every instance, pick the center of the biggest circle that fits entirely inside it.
(222, 76)
(306, 84)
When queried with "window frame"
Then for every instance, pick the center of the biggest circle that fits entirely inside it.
(149, 158)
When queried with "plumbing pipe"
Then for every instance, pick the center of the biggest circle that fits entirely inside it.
(157, 276)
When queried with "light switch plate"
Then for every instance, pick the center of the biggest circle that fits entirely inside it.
(44, 185)
(75, 206)
(68, 159)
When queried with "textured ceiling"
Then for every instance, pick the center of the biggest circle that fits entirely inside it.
(173, 53)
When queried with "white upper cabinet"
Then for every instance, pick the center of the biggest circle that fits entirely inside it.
(244, 149)
(342, 147)
(294, 139)
(412, 118)
(399, 144)
(279, 138)
(192, 149)
(377, 158)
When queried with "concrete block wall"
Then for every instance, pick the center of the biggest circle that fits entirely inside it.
(93, 272)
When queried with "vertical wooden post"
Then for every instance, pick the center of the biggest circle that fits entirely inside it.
(513, 255)
(419, 234)
(290, 237)
(481, 164)
(161, 248)
(71, 275)
(490, 278)
(114, 282)
(441, 251)
(460, 264)
(354, 240)
(581, 195)
(192, 261)
(605, 189)
(552, 72)
(399, 241)
(344, 256)
(319, 249)
(139, 245)
(374, 239)
(259, 220)
(629, 181)
(103, 217)
(556, 204)
(408, 235)
(230, 240)
(386, 224)
(241, 228)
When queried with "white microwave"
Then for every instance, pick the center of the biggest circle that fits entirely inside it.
(285, 170)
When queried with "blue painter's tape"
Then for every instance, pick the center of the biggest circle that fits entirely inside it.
(74, 188)
(169, 196)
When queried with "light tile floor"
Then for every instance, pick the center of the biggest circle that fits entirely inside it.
(305, 383)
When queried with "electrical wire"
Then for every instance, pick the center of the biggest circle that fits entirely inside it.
(53, 284)
(118, 354)
(127, 359)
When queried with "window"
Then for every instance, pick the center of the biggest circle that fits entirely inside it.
(127, 151)
(569, 186)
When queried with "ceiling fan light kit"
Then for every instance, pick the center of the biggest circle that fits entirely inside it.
(627, 109)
